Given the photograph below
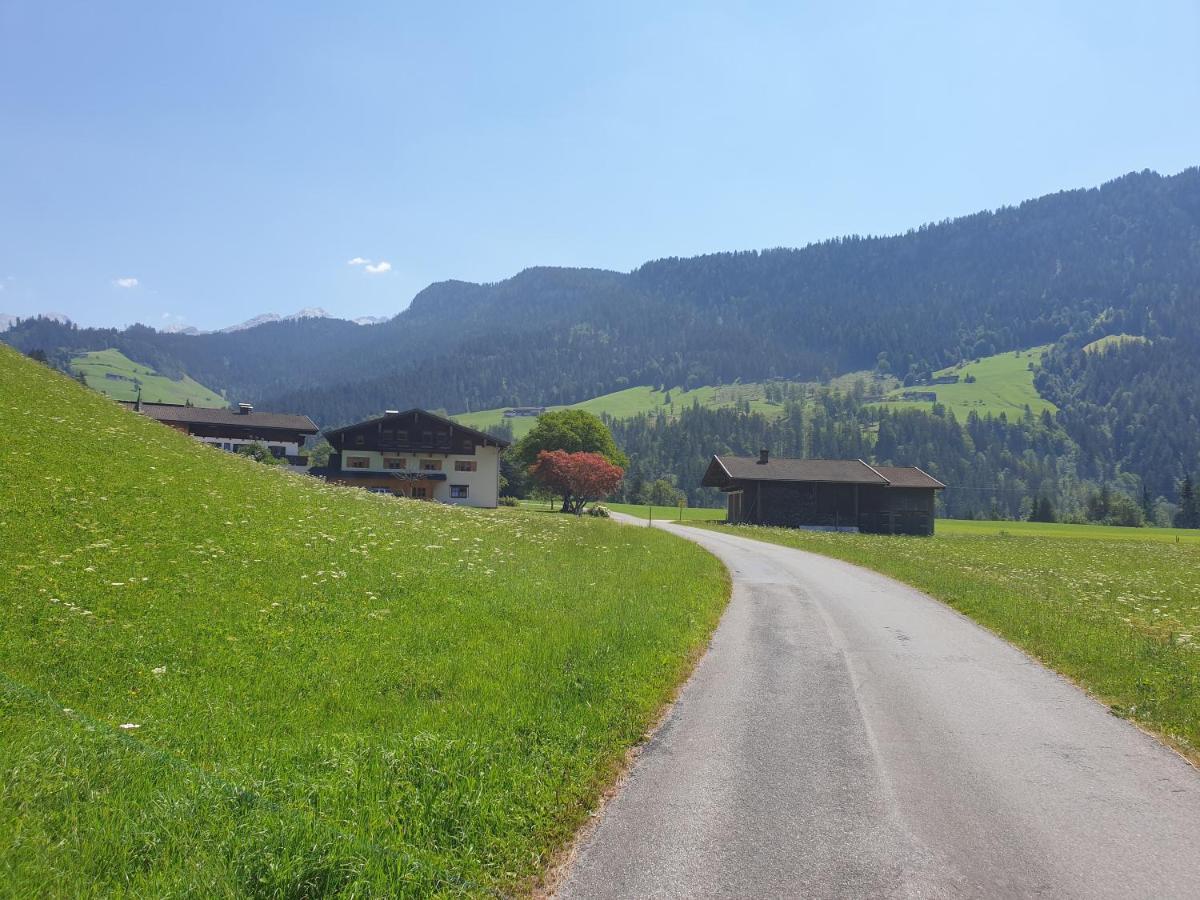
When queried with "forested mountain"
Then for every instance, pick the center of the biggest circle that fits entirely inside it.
(1125, 253)
(1064, 269)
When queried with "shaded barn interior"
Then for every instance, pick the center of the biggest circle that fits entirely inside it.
(825, 493)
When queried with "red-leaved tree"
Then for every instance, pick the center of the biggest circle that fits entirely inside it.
(578, 478)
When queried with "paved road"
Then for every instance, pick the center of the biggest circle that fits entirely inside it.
(846, 736)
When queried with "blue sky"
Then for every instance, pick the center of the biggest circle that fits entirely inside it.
(166, 162)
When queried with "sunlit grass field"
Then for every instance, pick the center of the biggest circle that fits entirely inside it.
(1122, 617)
(1065, 530)
(218, 679)
(1003, 384)
(98, 365)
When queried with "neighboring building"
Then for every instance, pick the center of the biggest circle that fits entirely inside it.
(416, 454)
(282, 433)
(825, 493)
(518, 411)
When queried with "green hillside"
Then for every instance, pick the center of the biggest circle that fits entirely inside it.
(221, 679)
(112, 373)
(1114, 340)
(1002, 384)
(637, 400)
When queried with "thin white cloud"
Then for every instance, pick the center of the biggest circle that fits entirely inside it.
(357, 261)
(125, 282)
(380, 267)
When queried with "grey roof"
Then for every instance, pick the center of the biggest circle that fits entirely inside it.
(199, 415)
(909, 476)
(329, 432)
(748, 468)
(725, 469)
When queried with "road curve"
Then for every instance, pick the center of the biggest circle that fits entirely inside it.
(848, 736)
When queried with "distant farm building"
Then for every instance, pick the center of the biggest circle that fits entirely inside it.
(825, 493)
(518, 411)
(282, 434)
(419, 455)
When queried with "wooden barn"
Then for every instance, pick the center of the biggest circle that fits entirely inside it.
(825, 493)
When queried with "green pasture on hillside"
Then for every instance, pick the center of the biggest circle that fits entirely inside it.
(637, 400)
(1114, 340)
(115, 375)
(1003, 384)
(1120, 616)
(220, 679)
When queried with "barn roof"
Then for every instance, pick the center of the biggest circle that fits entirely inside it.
(908, 477)
(199, 415)
(726, 469)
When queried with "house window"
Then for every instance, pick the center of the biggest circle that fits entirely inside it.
(464, 465)
(360, 439)
(420, 493)
(458, 492)
(427, 438)
(468, 445)
(431, 465)
(358, 462)
(395, 462)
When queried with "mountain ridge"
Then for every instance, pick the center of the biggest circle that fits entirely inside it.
(1064, 269)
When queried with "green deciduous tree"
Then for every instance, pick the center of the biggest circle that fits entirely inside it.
(572, 430)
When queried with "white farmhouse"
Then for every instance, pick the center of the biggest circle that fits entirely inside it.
(416, 454)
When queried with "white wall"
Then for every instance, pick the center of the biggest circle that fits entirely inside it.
(290, 448)
(482, 484)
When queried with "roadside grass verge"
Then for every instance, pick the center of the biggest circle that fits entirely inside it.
(332, 691)
(1122, 618)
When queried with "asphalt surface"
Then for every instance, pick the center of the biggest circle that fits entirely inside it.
(847, 736)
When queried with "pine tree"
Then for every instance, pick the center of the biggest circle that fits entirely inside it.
(1189, 505)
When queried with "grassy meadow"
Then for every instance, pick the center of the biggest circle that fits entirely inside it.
(1003, 384)
(1120, 615)
(115, 375)
(966, 527)
(218, 679)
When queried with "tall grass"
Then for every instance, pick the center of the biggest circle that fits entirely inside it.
(1120, 617)
(219, 679)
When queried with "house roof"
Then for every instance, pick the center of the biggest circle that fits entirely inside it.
(482, 435)
(198, 415)
(725, 469)
(909, 477)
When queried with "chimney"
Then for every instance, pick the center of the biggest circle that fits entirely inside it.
(244, 409)
(763, 457)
